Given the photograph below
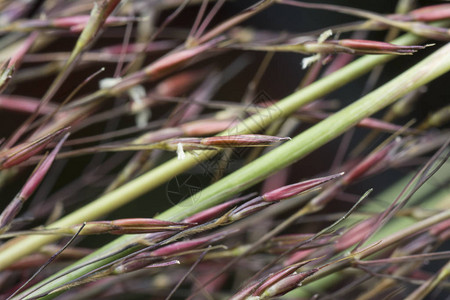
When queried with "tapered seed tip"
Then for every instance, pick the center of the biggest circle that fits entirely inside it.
(297, 188)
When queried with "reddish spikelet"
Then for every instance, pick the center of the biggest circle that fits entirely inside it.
(179, 247)
(37, 177)
(247, 204)
(287, 284)
(167, 63)
(355, 234)
(22, 152)
(234, 216)
(24, 104)
(370, 161)
(30, 186)
(180, 83)
(297, 188)
(244, 140)
(231, 141)
(278, 276)
(66, 22)
(139, 262)
(431, 13)
(246, 292)
(248, 208)
(298, 256)
(163, 264)
(206, 127)
(129, 226)
(159, 135)
(210, 213)
(375, 47)
(354, 46)
(161, 67)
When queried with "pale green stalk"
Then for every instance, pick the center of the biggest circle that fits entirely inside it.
(427, 70)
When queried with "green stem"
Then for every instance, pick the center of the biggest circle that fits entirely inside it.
(427, 70)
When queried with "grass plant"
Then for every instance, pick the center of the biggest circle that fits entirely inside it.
(143, 156)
